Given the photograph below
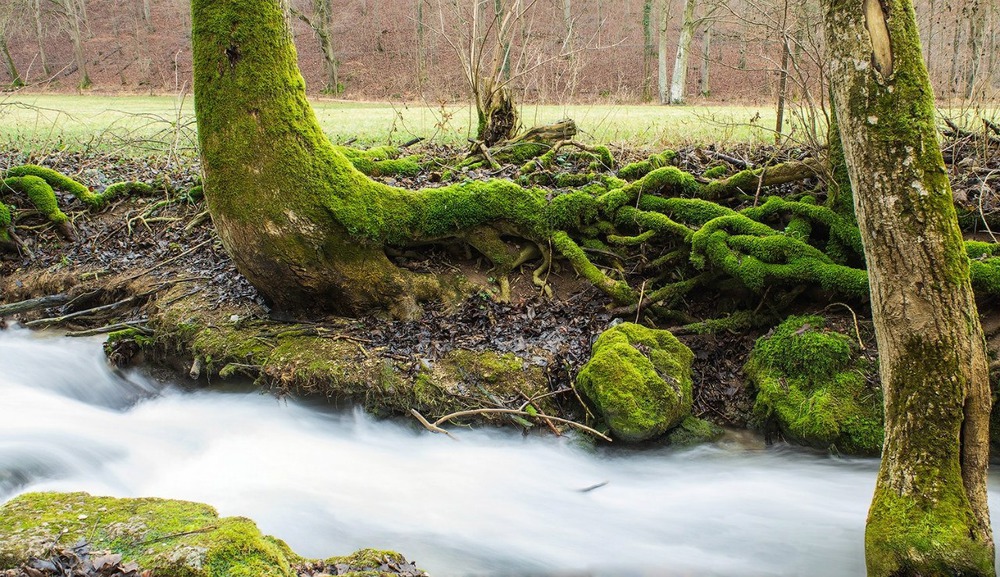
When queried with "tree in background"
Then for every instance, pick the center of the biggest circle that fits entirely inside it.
(929, 514)
(7, 20)
(321, 23)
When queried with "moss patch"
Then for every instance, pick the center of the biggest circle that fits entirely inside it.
(176, 538)
(639, 380)
(811, 384)
(694, 431)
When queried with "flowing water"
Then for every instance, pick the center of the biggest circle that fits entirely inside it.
(494, 503)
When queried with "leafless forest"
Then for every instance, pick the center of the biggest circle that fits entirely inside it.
(543, 50)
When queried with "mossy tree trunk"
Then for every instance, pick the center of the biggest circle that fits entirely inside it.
(301, 223)
(929, 514)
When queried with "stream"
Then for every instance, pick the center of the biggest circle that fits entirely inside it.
(329, 481)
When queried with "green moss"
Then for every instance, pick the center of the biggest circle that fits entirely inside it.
(5, 222)
(639, 381)
(617, 290)
(637, 170)
(761, 257)
(694, 431)
(39, 192)
(905, 529)
(811, 386)
(717, 171)
(366, 562)
(176, 538)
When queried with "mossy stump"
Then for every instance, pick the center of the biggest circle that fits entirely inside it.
(812, 386)
(639, 381)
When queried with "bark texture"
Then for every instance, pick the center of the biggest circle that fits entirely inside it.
(929, 515)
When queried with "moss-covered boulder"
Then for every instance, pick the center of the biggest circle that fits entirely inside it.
(639, 380)
(812, 385)
(166, 537)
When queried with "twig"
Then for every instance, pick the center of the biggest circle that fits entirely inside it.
(429, 426)
(170, 260)
(473, 412)
(857, 328)
(70, 316)
(176, 535)
(137, 325)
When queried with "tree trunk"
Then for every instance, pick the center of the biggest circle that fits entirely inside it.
(976, 30)
(779, 124)
(647, 50)
(323, 27)
(661, 52)
(929, 514)
(71, 11)
(36, 12)
(15, 76)
(301, 223)
(678, 84)
(956, 48)
(706, 60)
(147, 13)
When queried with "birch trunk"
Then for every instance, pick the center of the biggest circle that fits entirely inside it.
(929, 514)
(678, 83)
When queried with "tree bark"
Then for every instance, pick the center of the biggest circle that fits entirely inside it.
(678, 83)
(706, 60)
(71, 10)
(15, 76)
(665, 7)
(36, 12)
(929, 514)
(647, 50)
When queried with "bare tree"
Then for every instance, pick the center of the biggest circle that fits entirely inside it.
(8, 13)
(321, 23)
(69, 10)
(36, 13)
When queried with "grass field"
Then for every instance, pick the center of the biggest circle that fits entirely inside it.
(142, 125)
(151, 124)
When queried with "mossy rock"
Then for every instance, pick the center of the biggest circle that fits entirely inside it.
(694, 431)
(166, 537)
(639, 380)
(175, 538)
(811, 384)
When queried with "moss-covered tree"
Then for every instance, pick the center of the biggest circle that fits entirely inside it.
(929, 514)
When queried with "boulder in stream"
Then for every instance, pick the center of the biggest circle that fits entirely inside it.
(639, 380)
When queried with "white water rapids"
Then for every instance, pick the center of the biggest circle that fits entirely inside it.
(494, 503)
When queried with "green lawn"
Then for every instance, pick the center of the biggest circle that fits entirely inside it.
(154, 124)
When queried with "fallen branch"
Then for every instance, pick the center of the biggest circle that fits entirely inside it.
(137, 325)
(33, 304)
(436, 425)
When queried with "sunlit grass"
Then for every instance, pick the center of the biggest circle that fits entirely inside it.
(137, 125)
(132, 124)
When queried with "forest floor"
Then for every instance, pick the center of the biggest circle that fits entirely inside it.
(142, 257)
